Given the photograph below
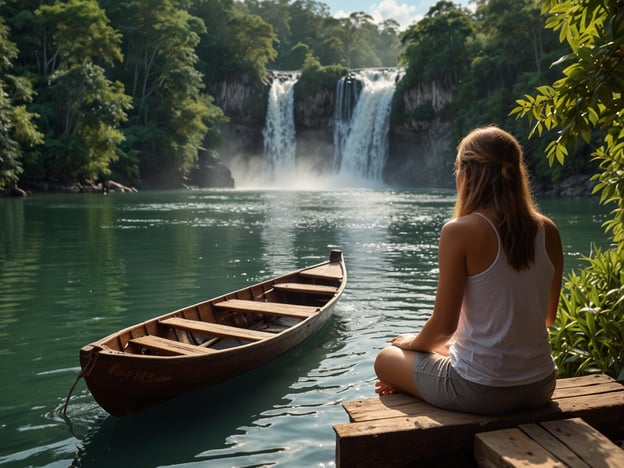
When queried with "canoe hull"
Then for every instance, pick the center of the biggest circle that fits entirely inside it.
(124, 383)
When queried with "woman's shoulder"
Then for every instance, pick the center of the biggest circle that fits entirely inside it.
(549, 225)
(469, 221)
(553, 239)
(465, 226)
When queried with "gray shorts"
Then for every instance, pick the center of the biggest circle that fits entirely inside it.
(441, 386)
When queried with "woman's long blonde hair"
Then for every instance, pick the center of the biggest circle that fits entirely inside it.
(495, 176)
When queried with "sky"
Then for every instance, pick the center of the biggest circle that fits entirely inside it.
(405, 12)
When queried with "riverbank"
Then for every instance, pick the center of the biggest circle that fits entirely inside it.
(577, 186)
(27, 188)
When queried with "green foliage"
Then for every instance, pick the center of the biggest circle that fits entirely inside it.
(356, 41)
(445, 29)
(170, 116)
(585, 102)
(315, 77)
(83, 32)
(176, 52)
(507, 53)
(18, 132)
(88, 108)
(251, 40)
(588, 334)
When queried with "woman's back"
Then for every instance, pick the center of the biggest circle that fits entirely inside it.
(501, 339)
(500, 269)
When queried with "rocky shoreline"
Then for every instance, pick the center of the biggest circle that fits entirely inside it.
(27, 188)
(578, 186)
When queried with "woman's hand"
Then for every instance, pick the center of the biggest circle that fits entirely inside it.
(403, 341)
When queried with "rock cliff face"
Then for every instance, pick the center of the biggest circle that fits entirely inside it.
(420, 156)
(421, 146)
(243, 100)
(420, 150)
(316, 111)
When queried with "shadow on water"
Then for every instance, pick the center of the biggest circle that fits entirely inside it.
(178, 431)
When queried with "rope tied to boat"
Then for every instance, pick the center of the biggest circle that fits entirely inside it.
(85, 371)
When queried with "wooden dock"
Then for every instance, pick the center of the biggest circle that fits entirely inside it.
(399, 430)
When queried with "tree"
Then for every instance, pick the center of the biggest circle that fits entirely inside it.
(586, 104)
(215, 58)
(357, 31)
(277, 14)
(445, 29)
(82, 32)
(171, 116)
(251, 40)
(514, 32)
(387, 42)
(18, 133)
(88, 108)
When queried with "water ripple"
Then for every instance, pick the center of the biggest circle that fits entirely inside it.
(76, 268)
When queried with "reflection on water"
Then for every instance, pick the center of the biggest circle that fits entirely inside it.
(76, 268)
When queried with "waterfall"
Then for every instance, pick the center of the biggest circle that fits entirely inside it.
(362, 122)
(279, 130)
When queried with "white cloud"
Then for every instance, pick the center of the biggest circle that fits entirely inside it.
(404, 14)
(341, 14)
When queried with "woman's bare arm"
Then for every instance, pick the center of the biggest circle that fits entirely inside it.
(441, 326)
(555, 253)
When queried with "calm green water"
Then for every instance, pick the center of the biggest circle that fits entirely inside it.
(74, 268)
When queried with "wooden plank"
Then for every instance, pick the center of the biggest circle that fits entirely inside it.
(390, 407)
(327, 271)
(405, 405)
(599, 405)
(596, 389)
(392, 430)
(553, 445)
(586, 442)
(568, 442)
(216, 329)
(169, 346)
(583, 381)
(306, 288)
(511, 448)
(270, 308)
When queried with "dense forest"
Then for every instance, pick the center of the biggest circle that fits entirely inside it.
(124, 89)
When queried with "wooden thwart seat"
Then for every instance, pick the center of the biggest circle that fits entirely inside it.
(172, 347)
(216, 329)
(271, 308)
(567, 442)
(306, 288)
(399, 430)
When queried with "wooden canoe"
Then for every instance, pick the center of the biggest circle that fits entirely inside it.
(215, 340)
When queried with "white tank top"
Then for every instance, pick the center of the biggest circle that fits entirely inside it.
(501, 339)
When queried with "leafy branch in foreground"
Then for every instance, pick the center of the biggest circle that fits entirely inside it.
(587, 103)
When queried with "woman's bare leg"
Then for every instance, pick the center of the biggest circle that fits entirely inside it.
(395, 369)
